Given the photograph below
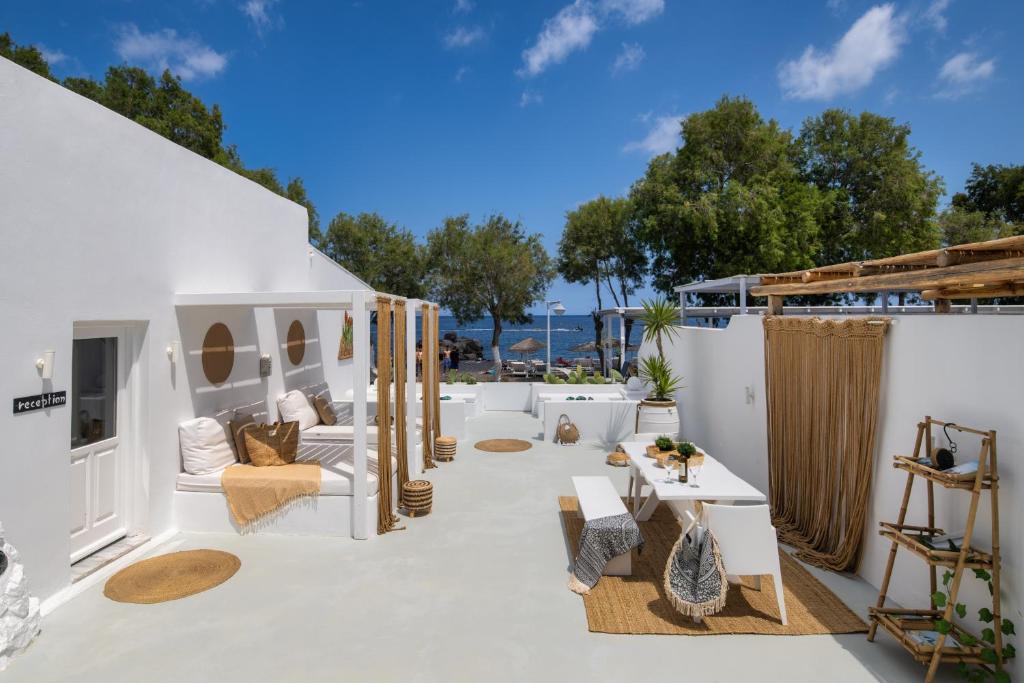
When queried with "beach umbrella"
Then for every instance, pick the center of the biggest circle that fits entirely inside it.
(526, 346)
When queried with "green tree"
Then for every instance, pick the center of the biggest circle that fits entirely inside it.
(996, 191)
(879, 199)
(383, 254)
(493, 267)
(729, 201)
(599, 247)
(963, 226)
(27, 56)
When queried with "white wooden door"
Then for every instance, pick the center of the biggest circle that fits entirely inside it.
(98, 433)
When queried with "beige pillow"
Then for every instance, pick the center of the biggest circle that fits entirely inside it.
(235, 427)
(325, 409)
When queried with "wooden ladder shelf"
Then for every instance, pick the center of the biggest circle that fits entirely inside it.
(902, 622)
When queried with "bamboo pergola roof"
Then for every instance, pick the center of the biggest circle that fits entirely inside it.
(967, 271)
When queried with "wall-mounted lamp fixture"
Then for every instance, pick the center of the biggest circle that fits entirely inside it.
(172, 351)
(45, 365)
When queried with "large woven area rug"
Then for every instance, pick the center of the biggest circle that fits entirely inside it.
(502, 445)
(637, 604)
(171, 576)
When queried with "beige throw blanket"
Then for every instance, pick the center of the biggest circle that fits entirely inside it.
(255, 492)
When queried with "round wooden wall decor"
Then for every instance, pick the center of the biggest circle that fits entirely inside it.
(218, 353)
(296, 342)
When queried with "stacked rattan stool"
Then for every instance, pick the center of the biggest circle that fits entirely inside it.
(444, 448)
(417, 497)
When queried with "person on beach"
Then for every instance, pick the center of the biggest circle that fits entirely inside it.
(446, 359)
(455, 358)
(419, 359)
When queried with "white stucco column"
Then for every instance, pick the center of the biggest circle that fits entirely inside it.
(622, 339)
(415, 464)
(360, 382)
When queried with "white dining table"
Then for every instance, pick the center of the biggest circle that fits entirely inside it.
(714, 482)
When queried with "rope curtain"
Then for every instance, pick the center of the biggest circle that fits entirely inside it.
(385, 517)
(428, 403)
(822, 379)
(435, 363)
(401, 436)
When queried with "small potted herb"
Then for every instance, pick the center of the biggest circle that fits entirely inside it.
(664, 443)
(686, 449)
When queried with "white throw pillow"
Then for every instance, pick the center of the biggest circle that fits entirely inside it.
(204, 446)
(295, 407)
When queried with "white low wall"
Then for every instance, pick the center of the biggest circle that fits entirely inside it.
(961, 368)
(507, 396)
(603, 422)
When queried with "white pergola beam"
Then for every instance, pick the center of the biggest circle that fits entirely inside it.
(360, 381)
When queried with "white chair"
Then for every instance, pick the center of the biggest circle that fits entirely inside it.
(748, 543)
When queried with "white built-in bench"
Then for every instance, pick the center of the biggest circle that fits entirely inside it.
(598, 498)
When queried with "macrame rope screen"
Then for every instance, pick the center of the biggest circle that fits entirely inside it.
(401, 435)
(822, 379)
(435, 363)
(428, 403)
(385, 516)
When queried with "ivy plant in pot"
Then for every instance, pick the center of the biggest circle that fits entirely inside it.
(657, 412)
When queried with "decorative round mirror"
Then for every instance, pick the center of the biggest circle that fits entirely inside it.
(218, 353)
(296, 342)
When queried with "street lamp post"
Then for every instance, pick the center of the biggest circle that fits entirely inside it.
(559, 309)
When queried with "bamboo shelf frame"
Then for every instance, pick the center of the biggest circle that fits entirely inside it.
(898, 621)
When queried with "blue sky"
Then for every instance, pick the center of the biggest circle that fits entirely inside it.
(423, 109)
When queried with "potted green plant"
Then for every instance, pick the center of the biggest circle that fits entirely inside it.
(686, 449)
(664, 443)
(657, 412)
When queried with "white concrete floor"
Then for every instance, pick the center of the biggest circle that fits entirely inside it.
(474, 591)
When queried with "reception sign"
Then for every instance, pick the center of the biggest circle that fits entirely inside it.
(27, 404)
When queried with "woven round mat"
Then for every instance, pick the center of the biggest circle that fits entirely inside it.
(171, 576)
(502, 445)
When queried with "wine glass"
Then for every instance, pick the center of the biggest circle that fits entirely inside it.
(694, 472)
(670, 467)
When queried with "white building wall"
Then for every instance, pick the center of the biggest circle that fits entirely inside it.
(961, 368)
(103, 220)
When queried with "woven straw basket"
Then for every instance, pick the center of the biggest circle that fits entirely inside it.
(444, 448)
(417, 497)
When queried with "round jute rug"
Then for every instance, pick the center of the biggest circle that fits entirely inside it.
(502, 445)
(171, 576)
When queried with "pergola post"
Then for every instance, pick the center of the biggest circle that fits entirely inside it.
(743, 295)
(360, 382)
(775, 304)
(606, 342)
(415, 464)
(682, 308)
(622, 340)
(943, 305)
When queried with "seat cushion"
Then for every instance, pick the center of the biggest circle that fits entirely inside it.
(204, 446)
(295, 407)
(336, 473)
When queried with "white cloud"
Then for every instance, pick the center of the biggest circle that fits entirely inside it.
(165, 49)
(964, 73)
(871, 44)
(663, 136)
(52, 57)
(259, 14)
(463, 6)
(462, 36)
(629, 59)
(634, 11)
(573, 27)
(935, 16)
(530, 97)
(461, 73)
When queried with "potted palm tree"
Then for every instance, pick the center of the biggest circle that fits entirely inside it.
(657, 412)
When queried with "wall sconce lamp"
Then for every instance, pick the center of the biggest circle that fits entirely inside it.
(172, 351)
(44, 365)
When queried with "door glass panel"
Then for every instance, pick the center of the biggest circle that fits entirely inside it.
(93, 390)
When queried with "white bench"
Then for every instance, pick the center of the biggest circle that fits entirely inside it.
(598, 498)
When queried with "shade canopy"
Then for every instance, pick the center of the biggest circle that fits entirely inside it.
(591, 346)
(528, 345)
